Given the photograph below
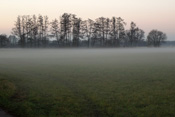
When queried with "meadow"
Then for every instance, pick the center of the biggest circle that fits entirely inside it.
(88, 82)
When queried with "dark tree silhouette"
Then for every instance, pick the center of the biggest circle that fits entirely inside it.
(22, 30)
(107, 30)
(87, 28)
(96, 33)
(132, 32)
(100, 26)
(113, 31)
(34, 30)
(140, 34)
(155, 38)
(45, 31)
(55, 30)
(120, 30)
(76, 30)
(117, 31)
(135, 35)
(31, 31)
(40, 29)
(18, 30)
(65, 21)
(3, 40)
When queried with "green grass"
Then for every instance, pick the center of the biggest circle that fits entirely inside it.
(97, 82)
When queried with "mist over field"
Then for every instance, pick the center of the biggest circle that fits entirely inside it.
(88, 82)
(82, 54)
(14, 58)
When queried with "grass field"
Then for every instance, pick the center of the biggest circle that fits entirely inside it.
(88, 82)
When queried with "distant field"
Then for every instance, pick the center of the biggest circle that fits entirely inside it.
(88, 82)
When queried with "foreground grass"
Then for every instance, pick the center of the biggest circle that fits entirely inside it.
(88, 82)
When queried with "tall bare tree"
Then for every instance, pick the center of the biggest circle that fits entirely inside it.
(101, 28)
(107, 30)
(132, 33)
(113, 30)
(87, 29)
(120, 30)
(19, 30)
(45, 31)
(40, 29)
(55, 30)
(34, 30)
(140, 34)
(76, 30)
(66, 25)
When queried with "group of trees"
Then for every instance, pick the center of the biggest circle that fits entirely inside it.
(71, 31)
(31, 31)
(103, 32)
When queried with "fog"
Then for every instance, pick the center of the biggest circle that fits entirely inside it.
(76, 53)
(85, 56)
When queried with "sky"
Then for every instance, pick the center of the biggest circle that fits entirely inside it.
(147, 14)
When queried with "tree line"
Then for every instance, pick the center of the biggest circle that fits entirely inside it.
(71, 31)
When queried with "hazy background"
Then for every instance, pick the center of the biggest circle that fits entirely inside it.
(147, 14)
